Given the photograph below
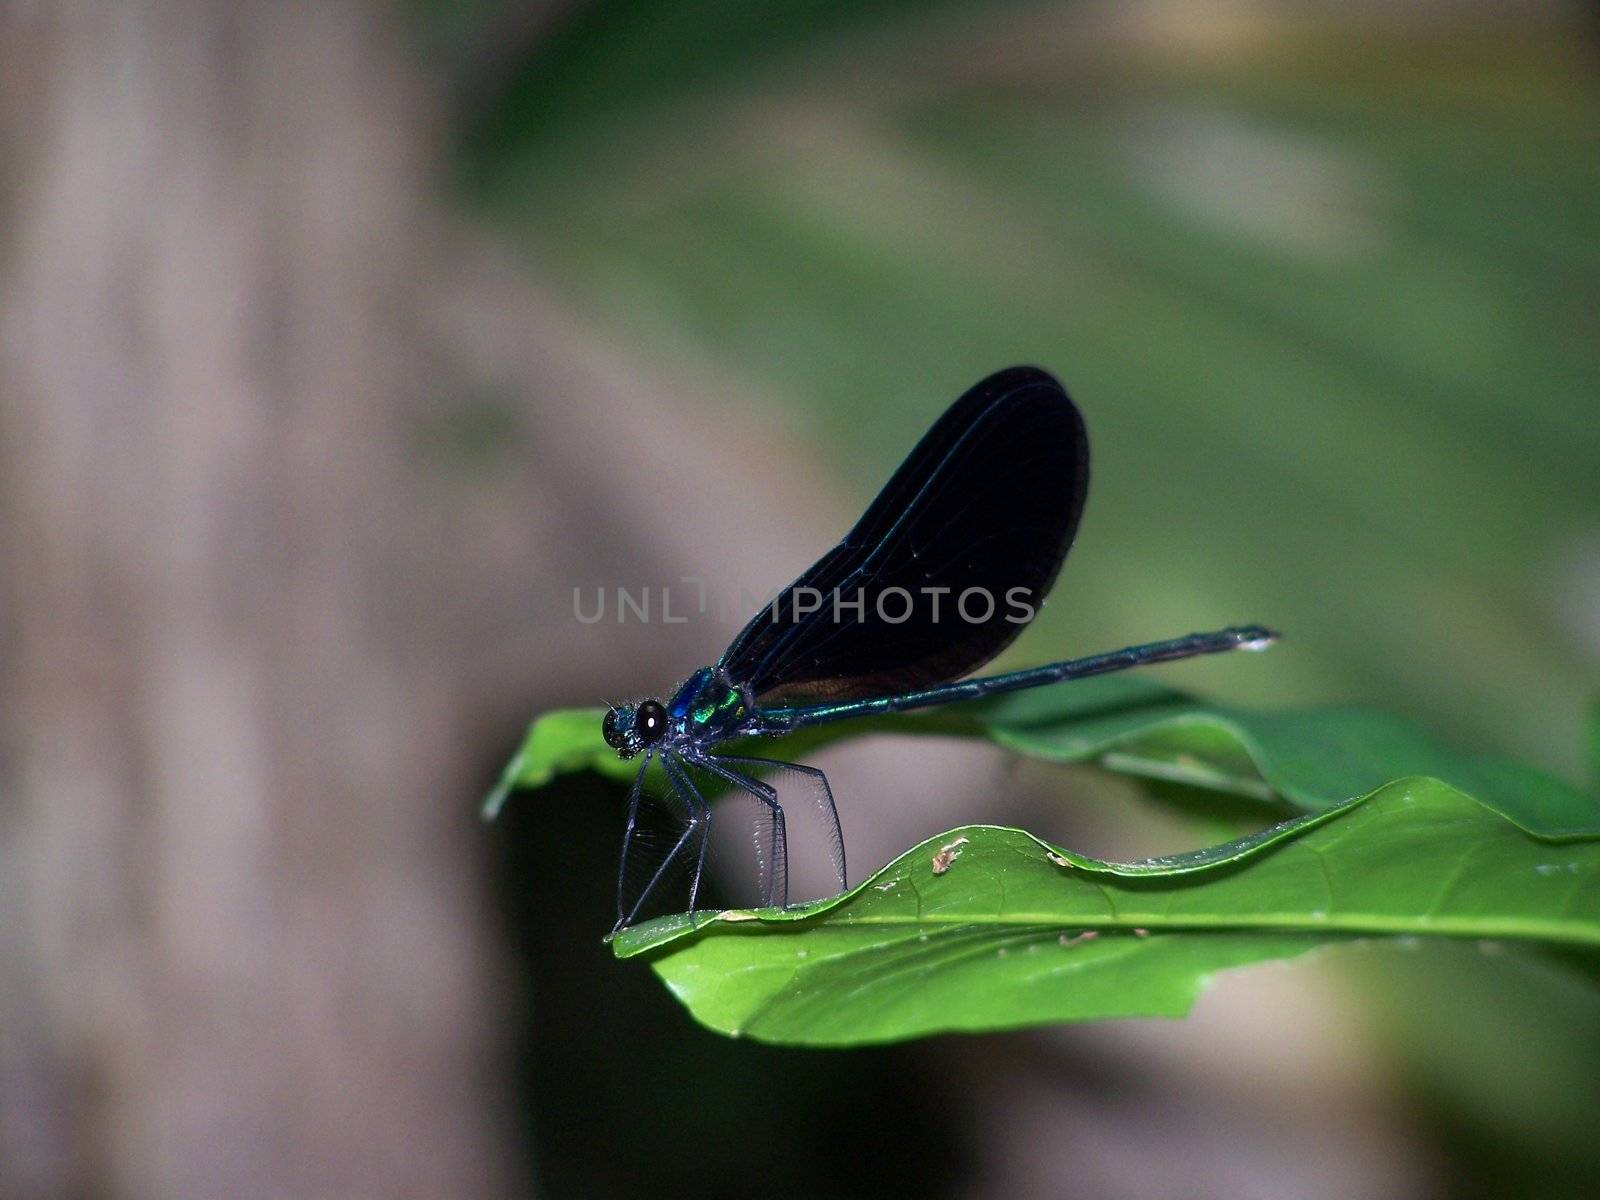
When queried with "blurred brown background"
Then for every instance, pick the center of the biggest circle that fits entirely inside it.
(340, 342)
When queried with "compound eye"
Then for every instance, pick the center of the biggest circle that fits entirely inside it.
(611, 729)
(650, 722)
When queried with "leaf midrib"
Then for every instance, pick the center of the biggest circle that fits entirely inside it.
(1572, 933)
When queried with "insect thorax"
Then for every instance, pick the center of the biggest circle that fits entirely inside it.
(708, 705)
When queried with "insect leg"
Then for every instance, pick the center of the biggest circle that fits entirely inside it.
(627, 834)
(778, 884)
(825, 805)
(702, 820)
(696, 816)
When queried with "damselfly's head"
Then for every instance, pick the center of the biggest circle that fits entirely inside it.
(630, 730)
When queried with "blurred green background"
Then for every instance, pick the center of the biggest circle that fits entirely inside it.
(1326, 283)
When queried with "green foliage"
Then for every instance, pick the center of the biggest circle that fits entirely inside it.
(1314, 759)
(1017, 932)
(988, 928)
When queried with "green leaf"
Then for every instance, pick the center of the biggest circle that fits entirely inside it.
(1314, 758)
(1015, 931)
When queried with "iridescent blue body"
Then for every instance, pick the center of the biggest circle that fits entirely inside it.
(987, 502)
(709, 708)
(1240, 637)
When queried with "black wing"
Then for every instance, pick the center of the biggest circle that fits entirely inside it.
(989, 499)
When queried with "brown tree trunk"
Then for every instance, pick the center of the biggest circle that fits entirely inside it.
(237, 895)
